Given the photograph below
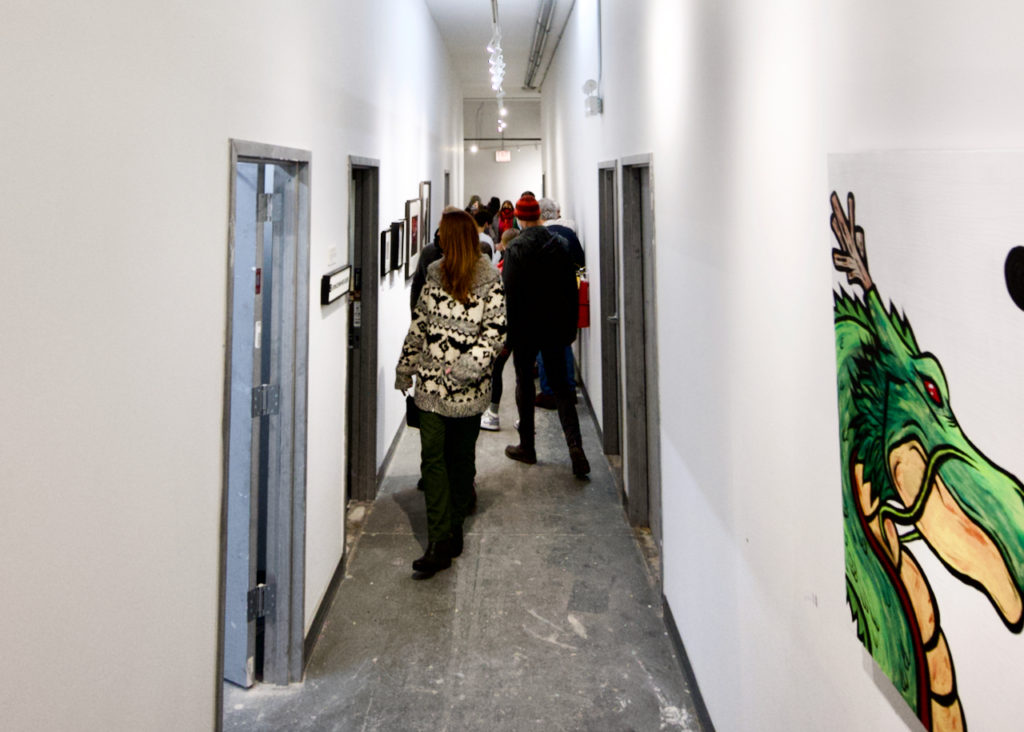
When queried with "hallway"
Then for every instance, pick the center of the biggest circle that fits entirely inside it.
(549, 620)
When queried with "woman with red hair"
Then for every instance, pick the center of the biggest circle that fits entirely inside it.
(458, 326)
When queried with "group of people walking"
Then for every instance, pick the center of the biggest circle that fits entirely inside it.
(468, 313)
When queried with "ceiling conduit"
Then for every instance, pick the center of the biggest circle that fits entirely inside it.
(558, 42)
(541, 31)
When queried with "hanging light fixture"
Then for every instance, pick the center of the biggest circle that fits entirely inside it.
(496, 65)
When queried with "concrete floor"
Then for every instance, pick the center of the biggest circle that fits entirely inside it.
(550, 620)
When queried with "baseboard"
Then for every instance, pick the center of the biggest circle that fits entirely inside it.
(317, 627)
(706, 725)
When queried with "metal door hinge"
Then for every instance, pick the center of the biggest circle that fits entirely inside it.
(266, 400)
(262, 599)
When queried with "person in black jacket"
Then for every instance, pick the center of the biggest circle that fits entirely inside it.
(550, 216)
(543, 306)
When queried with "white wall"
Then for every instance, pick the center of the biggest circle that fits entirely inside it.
(486, 178)
(116, 121)
(483, 175)
(741, 103)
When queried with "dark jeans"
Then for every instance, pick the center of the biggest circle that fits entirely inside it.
(570, 372)
(448, 466)
(554, 356)
(499, 366)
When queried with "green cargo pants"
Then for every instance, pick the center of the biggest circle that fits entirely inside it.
(448, 467)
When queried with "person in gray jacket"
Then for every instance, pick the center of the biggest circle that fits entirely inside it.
(457, 328)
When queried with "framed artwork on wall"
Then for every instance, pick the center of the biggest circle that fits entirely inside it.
(425, 224)
(385, 252)
(413, 234)
(930, 467)
(397, 246)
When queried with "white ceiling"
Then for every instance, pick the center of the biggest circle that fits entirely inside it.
(465, 26)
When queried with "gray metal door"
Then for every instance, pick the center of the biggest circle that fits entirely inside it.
(362, 342)
(243, 429)
(611, 373)
(643, 456)
(265, 416)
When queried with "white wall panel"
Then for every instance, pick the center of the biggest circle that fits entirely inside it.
(116, 123)
(740, 104)
(486, 178)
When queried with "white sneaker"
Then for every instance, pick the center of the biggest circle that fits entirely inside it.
(489, 421)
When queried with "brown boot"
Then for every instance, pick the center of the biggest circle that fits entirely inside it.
(526, 455)
(545, 401)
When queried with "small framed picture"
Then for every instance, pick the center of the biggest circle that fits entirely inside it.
(385, 252)
(413, 236)
(397, 248)
(425, 224)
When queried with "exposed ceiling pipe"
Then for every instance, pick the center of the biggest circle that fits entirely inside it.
(541, 32)
(558, 41)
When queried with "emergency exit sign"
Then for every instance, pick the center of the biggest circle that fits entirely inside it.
(503, 156)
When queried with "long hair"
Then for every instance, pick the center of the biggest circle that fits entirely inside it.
(461, 246)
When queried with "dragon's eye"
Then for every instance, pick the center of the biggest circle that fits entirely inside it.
(933, 391)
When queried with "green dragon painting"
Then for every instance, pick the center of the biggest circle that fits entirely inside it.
(911, 479)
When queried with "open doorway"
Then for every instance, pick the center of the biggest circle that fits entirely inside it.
(263, 514)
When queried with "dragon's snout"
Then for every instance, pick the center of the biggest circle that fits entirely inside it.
(964, 519)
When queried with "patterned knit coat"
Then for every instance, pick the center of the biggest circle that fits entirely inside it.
(451, 346)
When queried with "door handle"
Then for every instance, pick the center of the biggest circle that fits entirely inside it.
(613, 318)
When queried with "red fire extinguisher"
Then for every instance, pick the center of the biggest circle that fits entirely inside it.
(584, 317)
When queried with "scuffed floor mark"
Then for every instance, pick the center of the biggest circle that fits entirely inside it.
(577, 627)
(366, 714)
(423, 690)
(552, 639)
(544, 620)
(672, 717)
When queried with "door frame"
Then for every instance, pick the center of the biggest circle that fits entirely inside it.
(361, 379)
(286, 520)
(642, 444)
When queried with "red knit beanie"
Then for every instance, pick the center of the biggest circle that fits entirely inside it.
(527, 209)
